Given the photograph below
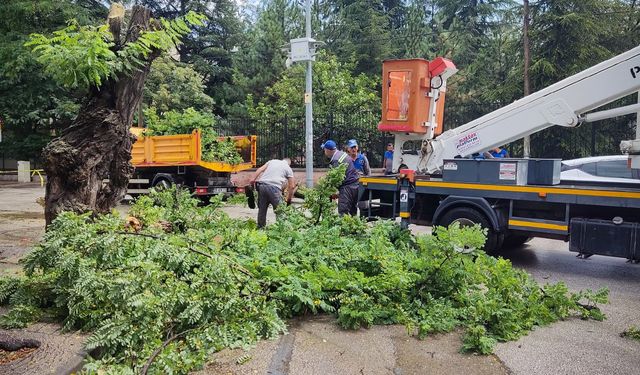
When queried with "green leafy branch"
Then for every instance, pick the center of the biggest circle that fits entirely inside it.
(632, 332)
(76, 56)
(187, 281)
(214, 147)
(86, 56)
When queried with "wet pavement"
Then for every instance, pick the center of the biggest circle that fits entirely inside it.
(578, 346)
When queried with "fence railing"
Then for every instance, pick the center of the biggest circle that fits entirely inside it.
(285, 136)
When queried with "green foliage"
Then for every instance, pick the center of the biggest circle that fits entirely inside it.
(191, 281)
(335, 89)
(569, 36)
(279, 111)
(209, 50)
(476, 339)
(237, 200)
(632, 332)
(259, 61)
(134, 291)
(76, 56)
(85, 56)
(175, 86)
(362, 32)
(21, 316)
(589, 309)
(32, 105)
(318, 200)
(177, 121)
(237, 52)
(219, 149)
(214, 148)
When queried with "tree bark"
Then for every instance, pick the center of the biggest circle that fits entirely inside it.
(97, 145)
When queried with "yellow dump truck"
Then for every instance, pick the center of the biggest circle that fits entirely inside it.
(165, 160)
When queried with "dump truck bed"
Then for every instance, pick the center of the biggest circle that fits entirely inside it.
(185, 150)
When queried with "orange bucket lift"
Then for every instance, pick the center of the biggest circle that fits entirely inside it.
(413, 95)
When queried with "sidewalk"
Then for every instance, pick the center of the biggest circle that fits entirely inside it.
(316, 345)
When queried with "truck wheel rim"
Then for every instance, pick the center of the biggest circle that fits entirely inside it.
(162, 185)
(464, 222)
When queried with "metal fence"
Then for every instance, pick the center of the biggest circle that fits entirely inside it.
(281, 137)
(285, 136)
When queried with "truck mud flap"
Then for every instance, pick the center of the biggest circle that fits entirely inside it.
(603, 237)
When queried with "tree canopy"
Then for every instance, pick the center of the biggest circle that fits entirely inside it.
(173, 85)
(89, 165)
(237, 54)
(337, 89)
(32, 105)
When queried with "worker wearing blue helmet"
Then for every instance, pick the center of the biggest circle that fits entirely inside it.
(348, 190)
(360, 161)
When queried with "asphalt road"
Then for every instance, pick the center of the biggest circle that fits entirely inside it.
(576, 346)
(316, 346)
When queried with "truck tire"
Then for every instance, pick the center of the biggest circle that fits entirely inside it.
(163, 183)
(467, 216)
(514, 240)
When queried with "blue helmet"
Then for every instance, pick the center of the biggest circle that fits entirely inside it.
(329, 145)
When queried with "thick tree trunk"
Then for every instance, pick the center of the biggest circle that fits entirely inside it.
(97, 146)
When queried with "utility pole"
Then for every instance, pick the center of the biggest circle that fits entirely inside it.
(304, 50)
(527, 88)
(308, 103)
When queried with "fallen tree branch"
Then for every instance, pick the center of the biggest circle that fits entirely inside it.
(235, 265)
(155, 353)
(139, 234)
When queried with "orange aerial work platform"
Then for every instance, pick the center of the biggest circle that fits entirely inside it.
(411, 89)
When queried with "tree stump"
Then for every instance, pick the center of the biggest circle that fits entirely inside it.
(97, 145)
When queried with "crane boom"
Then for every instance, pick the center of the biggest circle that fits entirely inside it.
(563, 104)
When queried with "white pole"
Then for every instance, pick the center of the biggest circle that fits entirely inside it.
(611, 113)
(309, 105)
(527, 89)
(638, 120)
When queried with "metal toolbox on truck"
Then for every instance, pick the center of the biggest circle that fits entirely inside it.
(487, 171)
(543, 171)
(503, 171)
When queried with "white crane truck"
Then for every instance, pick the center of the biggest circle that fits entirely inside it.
(514, 199)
